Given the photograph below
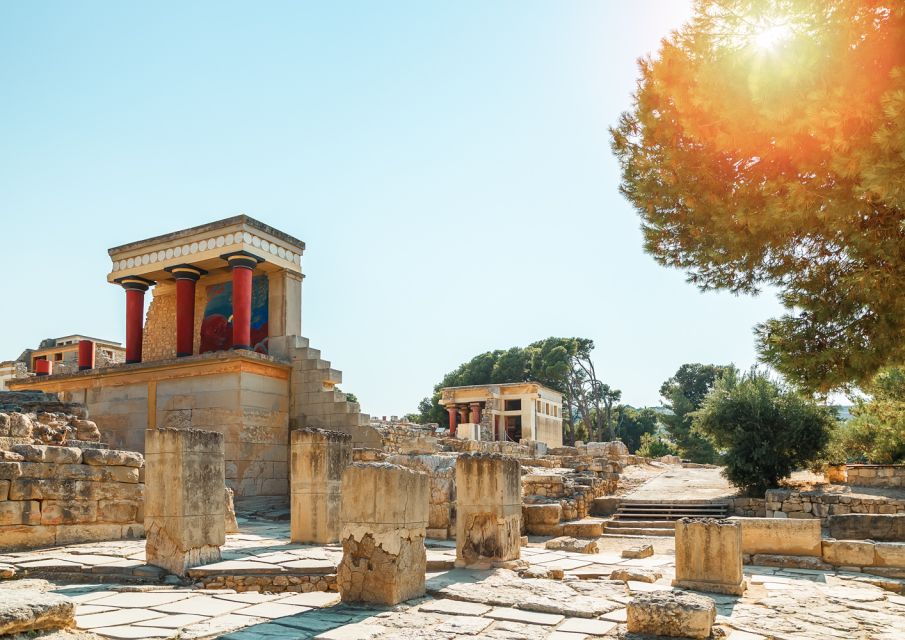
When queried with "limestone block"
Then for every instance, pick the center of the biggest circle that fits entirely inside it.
(20, 512)
(636, 574)
(638, 551)
(671, 614)
(184, 509)
(10, 470)
(862, 526)
(4, 490)
(709, 556)
(25, 610)
(384, 517)
(16, 537)
(574, 545)
(488, 508)
(20, 425)
(318, 458)
(548, 514)
(117, 511)
(851, 553)
(114, 457)
(889, 554)
(780, 536)
(68, 512)
(86, 430)
(52, 454)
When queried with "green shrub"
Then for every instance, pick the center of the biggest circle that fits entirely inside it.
(766, 430)
(655, 446)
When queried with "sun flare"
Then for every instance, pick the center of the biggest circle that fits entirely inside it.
(772, 36)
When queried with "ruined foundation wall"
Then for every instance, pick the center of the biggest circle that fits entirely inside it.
(441, 473)
(52, 495)
(785, 503)
(876, 475)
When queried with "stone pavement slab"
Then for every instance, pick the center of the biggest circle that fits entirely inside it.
(202, 605)
(313, 599)
(175, 621)
(358, 631)
(214, 627)
(464, 625)
(128, 632)
(115, 618)
(587, 626)
(528, 617)
(141, 599)
(566, 635)
(455, 607)
(272, 610)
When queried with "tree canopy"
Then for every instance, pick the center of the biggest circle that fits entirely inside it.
(766, 430)
(683, 394)
(766, 148)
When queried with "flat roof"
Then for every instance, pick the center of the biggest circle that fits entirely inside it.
(210, 226)
(503, 385)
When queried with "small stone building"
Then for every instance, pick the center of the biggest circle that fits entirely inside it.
(220, 349)
(505, 412)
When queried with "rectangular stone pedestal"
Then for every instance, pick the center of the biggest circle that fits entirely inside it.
(709, 556)
(318, 458)
(488, 509)
(384, 517)
(184, 498)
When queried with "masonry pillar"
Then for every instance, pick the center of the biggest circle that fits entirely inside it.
(475, 412)
(488, 509)
(186, 276)
(453, 414)
(709, 556)
(135, 287)
(384, 517)
(86, 355)
(242, 264)
(184, 498)
(318, 458)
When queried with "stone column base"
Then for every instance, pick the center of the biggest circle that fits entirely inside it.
(712, 587)
(369, 573)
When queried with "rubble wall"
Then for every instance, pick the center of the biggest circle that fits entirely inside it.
(53, 495)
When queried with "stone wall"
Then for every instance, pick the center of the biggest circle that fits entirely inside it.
(406, 438)
(53, 495)
(876, 475)
(748, 507)
(786, 503)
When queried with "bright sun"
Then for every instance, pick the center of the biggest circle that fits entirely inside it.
(771, 36)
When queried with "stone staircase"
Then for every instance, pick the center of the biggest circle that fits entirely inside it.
(635, 518)
(314, 400)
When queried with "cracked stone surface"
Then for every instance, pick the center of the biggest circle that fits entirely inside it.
(460, 604)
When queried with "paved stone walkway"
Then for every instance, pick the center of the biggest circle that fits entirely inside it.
(465, 604)
(680, 484)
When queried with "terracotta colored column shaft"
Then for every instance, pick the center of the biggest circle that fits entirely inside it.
(241, 307)
(135, 308)
(86, 354)
(453, 414)
(475, 413)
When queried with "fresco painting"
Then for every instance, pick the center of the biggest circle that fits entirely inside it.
(217, 325)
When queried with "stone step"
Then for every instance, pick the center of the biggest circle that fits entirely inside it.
(640, 531)
(587, 528)
(647, 524)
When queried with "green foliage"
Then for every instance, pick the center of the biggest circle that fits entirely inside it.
(683, 394)
(767, 431)
(876, 434)
(782, 168)
(412, 417)
(632, 424)
(656, 446)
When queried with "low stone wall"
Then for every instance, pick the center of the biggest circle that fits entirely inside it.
(573, 492)
(52, 495)
(398, 438)
(270, 583)
(786, 503)
(876, 475)
(748, 507)
(868, 526)
(782, 536)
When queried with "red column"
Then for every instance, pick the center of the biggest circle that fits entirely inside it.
(475, 413)
(43, 367)
(453, 414)
(463, 415)
(186, 276)
(242, 264)
(86, 354)
(135, 287)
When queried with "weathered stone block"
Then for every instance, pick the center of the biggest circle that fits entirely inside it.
(184, 510)
(25, 610)
(68, 512)
(671, 614)
(867, 526)
(638, 551)
(4, 490)
(121, 511)
(889, 554)
(20, 512)
(52, 454)
(10, 470)
(709, 556)
(384, 517)
(113, 457)
(850, 553)
(18, 536)
(780, 536)
(574, 545)
(542, 513)
(318, 458)
(488, 508)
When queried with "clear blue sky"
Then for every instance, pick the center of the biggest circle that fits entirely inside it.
(447, 164)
